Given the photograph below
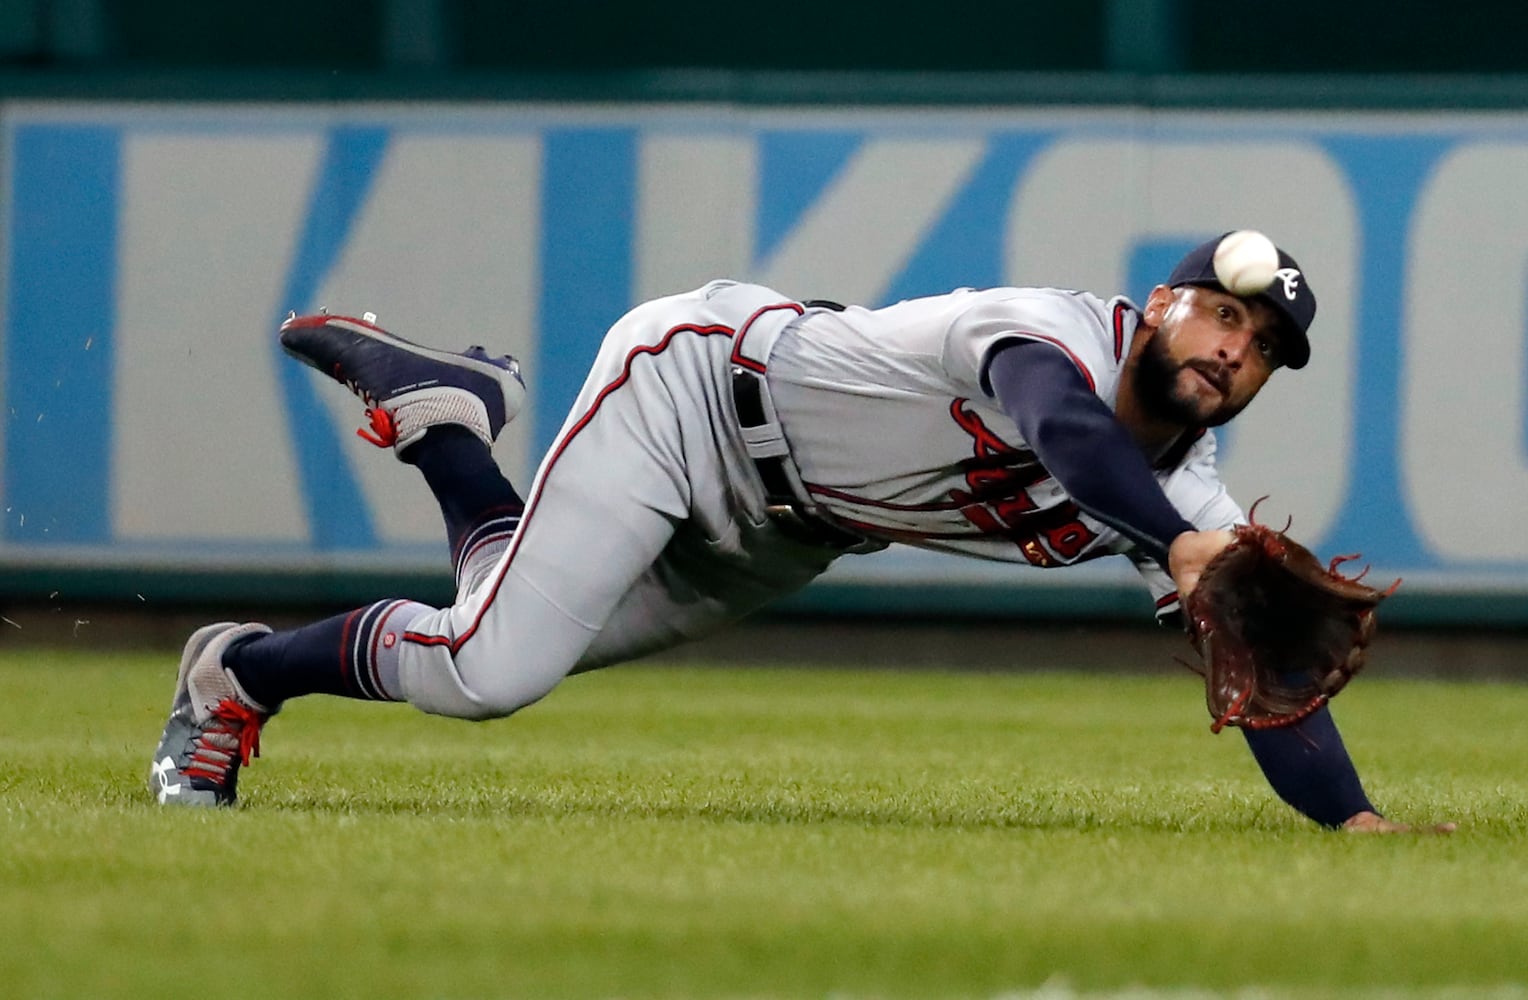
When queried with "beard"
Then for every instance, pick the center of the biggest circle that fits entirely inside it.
(1156, 386)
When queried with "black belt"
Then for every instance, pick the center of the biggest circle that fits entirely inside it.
(793, 516)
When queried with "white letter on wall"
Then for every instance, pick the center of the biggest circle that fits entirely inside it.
(1462, 426)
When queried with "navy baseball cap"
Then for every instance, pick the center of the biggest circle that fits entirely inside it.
(1290, 295)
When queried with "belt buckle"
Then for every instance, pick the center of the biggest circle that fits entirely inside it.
(791, 523)
(807, 527)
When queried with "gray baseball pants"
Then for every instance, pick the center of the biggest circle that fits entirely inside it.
(645, 525)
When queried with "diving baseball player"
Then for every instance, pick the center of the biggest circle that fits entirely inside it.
(729, 444)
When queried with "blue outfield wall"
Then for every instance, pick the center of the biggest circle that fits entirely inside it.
(157, 442)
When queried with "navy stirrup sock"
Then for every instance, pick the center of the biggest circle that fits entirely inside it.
(351, 655)
(354, 655)
(467, 483)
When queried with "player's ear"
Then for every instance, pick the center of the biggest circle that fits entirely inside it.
(1156, 305)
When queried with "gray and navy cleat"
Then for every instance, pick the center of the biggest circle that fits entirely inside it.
(407, 388)
(214, 726)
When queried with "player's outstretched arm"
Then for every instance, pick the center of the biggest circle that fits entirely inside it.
(1308, 767)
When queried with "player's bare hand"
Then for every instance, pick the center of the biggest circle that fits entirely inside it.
(1190, 553)
(1368, 822)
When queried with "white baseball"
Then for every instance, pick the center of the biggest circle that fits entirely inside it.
(1245, 262)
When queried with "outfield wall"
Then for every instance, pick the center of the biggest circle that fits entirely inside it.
(156, 443)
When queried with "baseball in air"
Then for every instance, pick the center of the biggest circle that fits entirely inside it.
(1245, 262)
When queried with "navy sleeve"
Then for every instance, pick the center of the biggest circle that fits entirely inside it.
(1309, 768)
(1095, 460)
(1077, 439)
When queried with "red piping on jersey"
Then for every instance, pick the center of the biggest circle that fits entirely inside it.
(1092, 386)
(530, 508)
(1119, 330)
(1036, 521)
(742, 332)
(1165, 600)
(998, 491)
(907, 534)
(858, 501)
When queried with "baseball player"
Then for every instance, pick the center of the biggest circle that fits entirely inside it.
(729, 444)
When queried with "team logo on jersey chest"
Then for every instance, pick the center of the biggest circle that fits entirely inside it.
(999, 503)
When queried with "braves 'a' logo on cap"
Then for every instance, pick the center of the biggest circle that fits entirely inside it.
(1291, 279)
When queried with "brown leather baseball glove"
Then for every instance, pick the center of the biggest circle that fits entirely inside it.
(1278, 633)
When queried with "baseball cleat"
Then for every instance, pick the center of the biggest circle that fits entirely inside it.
(407, 388)
(214, 727)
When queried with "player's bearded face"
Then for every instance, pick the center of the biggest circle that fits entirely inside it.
(1196, 370)
(1165, 386)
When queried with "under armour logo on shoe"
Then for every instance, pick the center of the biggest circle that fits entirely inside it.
(1291, 279)
(162, 771)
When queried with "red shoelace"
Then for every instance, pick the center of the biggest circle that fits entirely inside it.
(383, 431)
(233, 729)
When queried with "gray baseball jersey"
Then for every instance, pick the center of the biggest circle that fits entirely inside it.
(648, 521)
(896, 435)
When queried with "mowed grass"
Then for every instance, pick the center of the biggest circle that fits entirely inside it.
(652, 831)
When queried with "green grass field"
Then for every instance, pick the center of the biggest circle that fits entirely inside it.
(655, 831)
